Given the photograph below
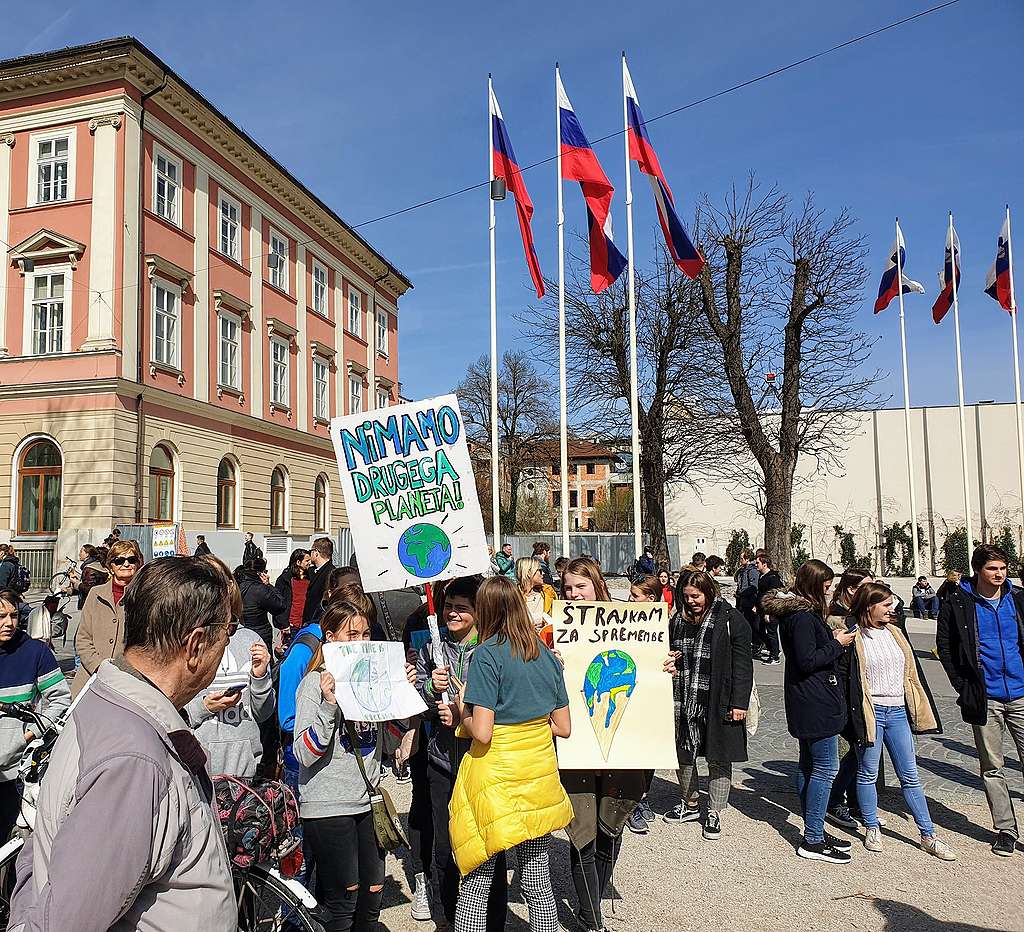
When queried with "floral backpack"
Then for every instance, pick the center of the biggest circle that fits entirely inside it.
(258, 818)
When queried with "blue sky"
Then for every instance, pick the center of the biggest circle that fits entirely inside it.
(379, 106)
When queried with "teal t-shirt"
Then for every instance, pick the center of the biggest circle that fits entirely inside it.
(517, 690)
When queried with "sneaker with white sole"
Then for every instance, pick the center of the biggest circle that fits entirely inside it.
(873, 839)
(679, 814)
(421, 899)
(645, 809)
(820, 851)
(713, 826)
(841, 816)
(840, 844)
(938, 848)
(636, 823)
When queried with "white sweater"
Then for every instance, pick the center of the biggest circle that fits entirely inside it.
(885, 663)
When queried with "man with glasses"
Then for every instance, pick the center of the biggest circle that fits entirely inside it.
(125, 828)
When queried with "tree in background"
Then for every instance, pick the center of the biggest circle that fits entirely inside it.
(614, 513)
(797, 550)
(738, 542)
(954, 552)
(848, 555)
(533, 515)
(898, 554)
(1007, 540)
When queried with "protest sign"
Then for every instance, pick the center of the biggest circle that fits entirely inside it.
(410, 494)
(370, 682)
(620, 697)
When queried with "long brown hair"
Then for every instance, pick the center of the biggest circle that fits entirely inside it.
(703, 582)
(810, 584)
(589, 568)
(867, 595)
(650, 586)
(852, 577)
(338, 615)
(501, 613)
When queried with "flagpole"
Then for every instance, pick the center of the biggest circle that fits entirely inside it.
(906, 404)
(563, 402)
(634, 375)
(495, 471)
(954, 260)
(1016, 361)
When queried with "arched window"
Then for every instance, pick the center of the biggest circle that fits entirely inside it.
(161, 484)
(39, 488)
(227, 497)
(320, 503)
(278, 499)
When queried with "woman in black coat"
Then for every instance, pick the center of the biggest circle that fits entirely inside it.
(712, 684)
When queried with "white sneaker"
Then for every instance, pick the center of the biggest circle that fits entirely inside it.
(873, 839)
(421, 899)
(938, 848)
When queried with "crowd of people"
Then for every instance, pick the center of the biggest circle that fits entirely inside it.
(187, 668)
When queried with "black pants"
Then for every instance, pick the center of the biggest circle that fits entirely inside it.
(445, 871)
(421, 823)
(746, 608)
(10, 807)
(346, 854)
(592, 867)
(770, 637)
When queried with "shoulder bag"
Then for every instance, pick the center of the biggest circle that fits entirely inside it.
(386, 826)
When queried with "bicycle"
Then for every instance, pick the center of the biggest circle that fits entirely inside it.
(61, 582)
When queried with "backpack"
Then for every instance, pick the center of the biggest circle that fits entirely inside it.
(21, 580)
(258, 818)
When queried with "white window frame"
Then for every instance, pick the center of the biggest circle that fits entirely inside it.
(30, 290)
(68, 132)
(382, 329)
(226, 199)
(282, 270)
(174, 290)
(281, 399)
(357, 329)
(158, 153)
(323, 308)
(236, 320)
(322, 412)
(355, 392)
(383, 398)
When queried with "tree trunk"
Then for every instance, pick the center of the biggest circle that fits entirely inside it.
(778, 519)
(652, 485)
(510, 503)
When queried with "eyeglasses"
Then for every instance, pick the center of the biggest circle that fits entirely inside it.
(122, 561)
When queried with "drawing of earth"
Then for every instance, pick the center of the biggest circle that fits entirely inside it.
(424, 550)
(607, 685)
(370, 684)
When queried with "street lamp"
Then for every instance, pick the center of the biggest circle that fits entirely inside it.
(498, 189)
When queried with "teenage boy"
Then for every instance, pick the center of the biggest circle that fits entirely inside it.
(747, 578)
(768, 628)
(444, 750)
(980, 639)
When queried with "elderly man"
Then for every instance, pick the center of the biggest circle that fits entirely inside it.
(125, 836)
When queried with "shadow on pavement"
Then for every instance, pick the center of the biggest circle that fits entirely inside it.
(953, 821)
(772, 811)
(901, 917)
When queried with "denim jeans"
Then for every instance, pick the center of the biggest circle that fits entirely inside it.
(291, 778)
(893, 729)
(924, 607)
(817, 768)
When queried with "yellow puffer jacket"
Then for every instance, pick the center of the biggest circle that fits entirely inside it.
(507, 792)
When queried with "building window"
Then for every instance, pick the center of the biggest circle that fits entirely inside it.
(161, 484)
(39, 488)
(230, 228)
(320, 504)
(383, 398)
(165, 325)
(556, 499)
(591, 469)
(230, 351)
(319, 288)
(382, 332)
(355, 312)
(590, 498)
(278, 499)
(572, 469)
(47, 314)
(277, 261)
(574, 498)
(279, 372)
(167, 187)
(321, 391)
(227, 496)
(556, 467)
(53, 169)
(355, 394)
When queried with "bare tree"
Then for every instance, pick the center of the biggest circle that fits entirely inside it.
(525, 419)
(782, 285)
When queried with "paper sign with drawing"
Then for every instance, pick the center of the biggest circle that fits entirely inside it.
(620, 697)
(410, 494)
(370, 683)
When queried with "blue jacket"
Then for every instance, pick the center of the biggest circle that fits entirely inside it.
(293, 669)
(998, 647)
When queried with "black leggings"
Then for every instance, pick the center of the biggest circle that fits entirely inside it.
(421, 825)
(10, 807)
(348, 864)
(592, 867)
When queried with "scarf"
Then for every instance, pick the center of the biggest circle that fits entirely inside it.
(694, 665)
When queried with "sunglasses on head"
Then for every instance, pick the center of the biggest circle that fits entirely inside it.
(122, 561)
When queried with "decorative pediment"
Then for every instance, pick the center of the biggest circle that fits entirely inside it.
(324, 350)
(159, 267)
(46, 246)
(384, 382)
(225, 301)
(357, 368)
(280, 328)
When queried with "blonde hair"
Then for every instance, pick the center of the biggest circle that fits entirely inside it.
(526, 567)
(589, 569)
(125, 548)
(501, 612)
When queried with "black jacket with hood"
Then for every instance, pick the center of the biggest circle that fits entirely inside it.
(259, 602)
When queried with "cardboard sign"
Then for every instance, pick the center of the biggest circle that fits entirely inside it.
(620, 697)
(410, 494)
(370, 682)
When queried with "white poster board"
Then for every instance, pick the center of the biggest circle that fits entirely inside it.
(165, 540)
(370, 682)
(410, 494)
(620, 697)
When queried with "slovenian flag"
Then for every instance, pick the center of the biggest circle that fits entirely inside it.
(685, 255)
(579, 163)
(507, 169)
(889, 287)
(950, 268)
(997, 282)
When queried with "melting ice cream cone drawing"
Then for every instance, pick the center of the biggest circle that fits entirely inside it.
(607, 686)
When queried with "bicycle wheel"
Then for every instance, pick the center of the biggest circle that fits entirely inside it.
(268, 903)
(8, 857)
(59, 581)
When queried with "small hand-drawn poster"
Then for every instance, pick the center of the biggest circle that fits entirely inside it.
(370, 682)
(410, 494)
(620, 697)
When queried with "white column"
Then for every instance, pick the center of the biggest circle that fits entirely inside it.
(103, 233)
(258, 337)
(370, 402)
(130, 240)
(302, 341)
(6, 144)
(341, 375)
(201, 288)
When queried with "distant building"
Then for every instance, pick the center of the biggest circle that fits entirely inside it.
(592, 475)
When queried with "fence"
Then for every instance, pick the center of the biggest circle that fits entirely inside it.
(615, 552)
(39, 561)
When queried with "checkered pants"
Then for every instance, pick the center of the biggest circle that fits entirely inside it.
(534, 878)
(719, 782)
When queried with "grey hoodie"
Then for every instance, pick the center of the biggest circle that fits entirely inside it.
(231, 738)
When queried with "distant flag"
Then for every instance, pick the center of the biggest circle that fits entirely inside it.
(685, 255)
(507, 168)
(579, 163)
(997, 282)
(888, 288)
(950, 267)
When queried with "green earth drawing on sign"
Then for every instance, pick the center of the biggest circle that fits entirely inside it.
(424, 550)
(607, 685)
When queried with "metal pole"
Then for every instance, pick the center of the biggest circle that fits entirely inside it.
(495, 472)
(1016, 358)
(954, 265)
(563, 402)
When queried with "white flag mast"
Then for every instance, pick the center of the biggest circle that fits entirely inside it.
(954, 258)
(1016, 362)
(563, 404)
(495, 471)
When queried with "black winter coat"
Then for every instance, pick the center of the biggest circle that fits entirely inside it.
(767, 584)
(315, 592)
(732, 679)
(814, 694)
(259, 602)
(283, 585)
